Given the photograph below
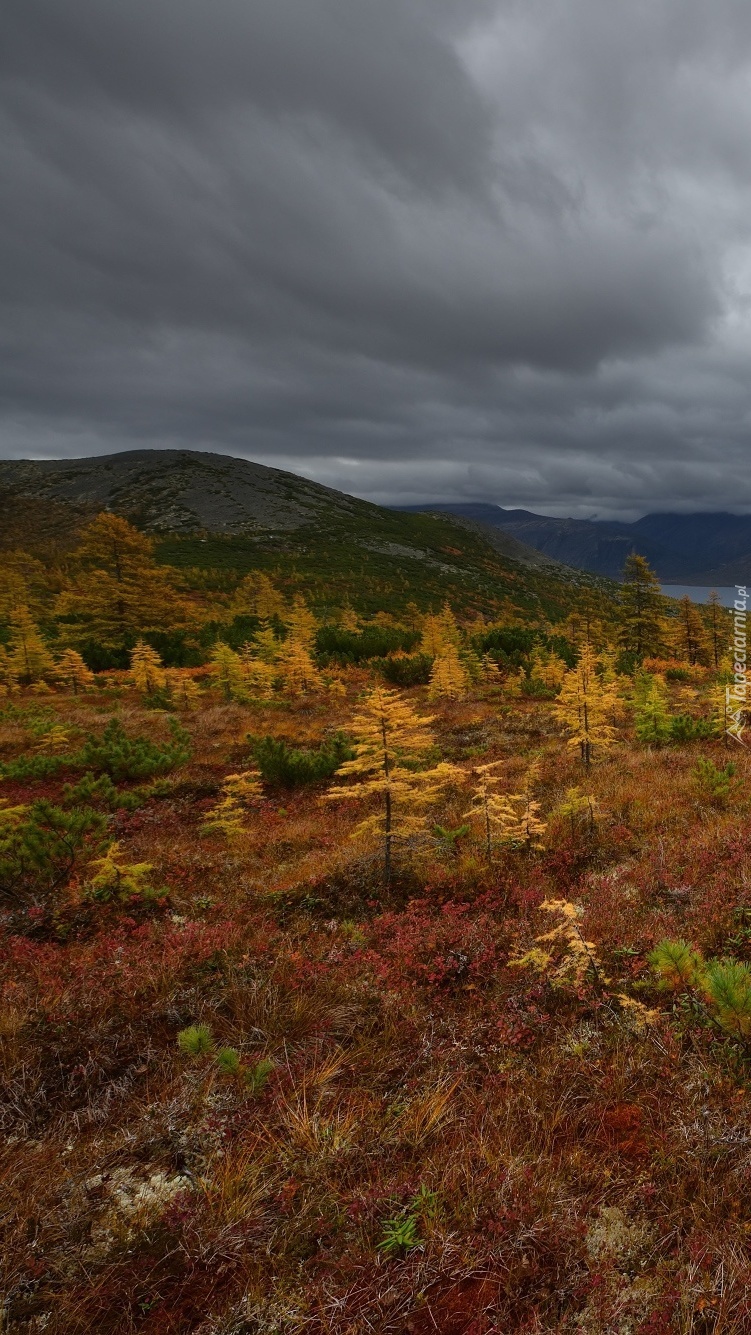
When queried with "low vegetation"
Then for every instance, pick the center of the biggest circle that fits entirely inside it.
(383, 969)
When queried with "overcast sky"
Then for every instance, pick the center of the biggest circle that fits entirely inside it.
(415, 249)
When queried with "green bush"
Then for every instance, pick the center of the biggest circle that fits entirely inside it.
(713, 782)
(196, 1040)
(724, 986)
(414, 670)
(256, 1077)
(334, 645)
(34, 767)
(91, 791)
(684, 728)
(41, 846)
(283, 766)
(124, 757)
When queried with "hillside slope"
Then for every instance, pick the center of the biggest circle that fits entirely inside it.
(215, 512)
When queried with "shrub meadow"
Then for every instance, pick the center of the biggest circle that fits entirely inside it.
(370, 964)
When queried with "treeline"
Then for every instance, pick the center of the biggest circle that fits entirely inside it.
(112, 606)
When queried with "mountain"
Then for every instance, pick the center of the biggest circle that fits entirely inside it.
(178, 490)
(702, 549)
(214, 512)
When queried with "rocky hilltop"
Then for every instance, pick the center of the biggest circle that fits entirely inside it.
(189, 491)
(180, 490)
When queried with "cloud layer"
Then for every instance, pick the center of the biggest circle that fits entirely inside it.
(418, 250)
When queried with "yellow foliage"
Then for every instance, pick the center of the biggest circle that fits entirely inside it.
(585, 704)
(448, 676)
(146, 669)
(227, 671)
(301, 624)
(564, 948)
(116, 878)
(259, 674)
(299, 672)
(118, 592)
(349, 620)
(72, 672)
(184, 692)
(28, 658)
(257, 595)
(390, 738)
(228, 816)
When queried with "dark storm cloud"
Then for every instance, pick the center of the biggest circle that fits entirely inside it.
(416, 249)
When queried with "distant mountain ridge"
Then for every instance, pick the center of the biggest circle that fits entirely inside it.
(703, 548)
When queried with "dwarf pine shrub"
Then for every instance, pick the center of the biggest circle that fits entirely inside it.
(90, 790)
(728, 985)
(256, 1077)
(124, 757)
(724, 984)
(684, 728)
(195, 1041)
(41, 847)
(228, 1061)
(198, 1041)
(713, 782)
(33, 767)
(676, 964)
(283, 766)
(405, 669)
(334, 644)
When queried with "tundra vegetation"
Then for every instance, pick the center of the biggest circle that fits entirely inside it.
(368, 967)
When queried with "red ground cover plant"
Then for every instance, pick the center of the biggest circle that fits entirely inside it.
(440, 1139)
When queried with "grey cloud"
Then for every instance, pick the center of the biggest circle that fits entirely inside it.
(417, 249)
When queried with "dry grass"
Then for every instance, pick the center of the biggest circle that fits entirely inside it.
(565, 1171)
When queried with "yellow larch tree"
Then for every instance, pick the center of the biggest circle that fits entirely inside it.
(227, 671)
(257, 595)
(8, 678)
(433, 637)
(266, 646)
(29, 659)
(513, 684)
(585, 705)
(117, 592)
(547, 668)
(530, 828)
(493, 811)
(118, 879)
(718, 628)
(689, 634)
(389, 740)
(642, 609)
(451, 633)
(23, 583)
(71, 671)
(184, 693)
(299, 673)
(147, 671)
(259, 675)
(301, 623)
(489, 671)
(448, 676)
(238, 793)
(349, 620)
(577, 811)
